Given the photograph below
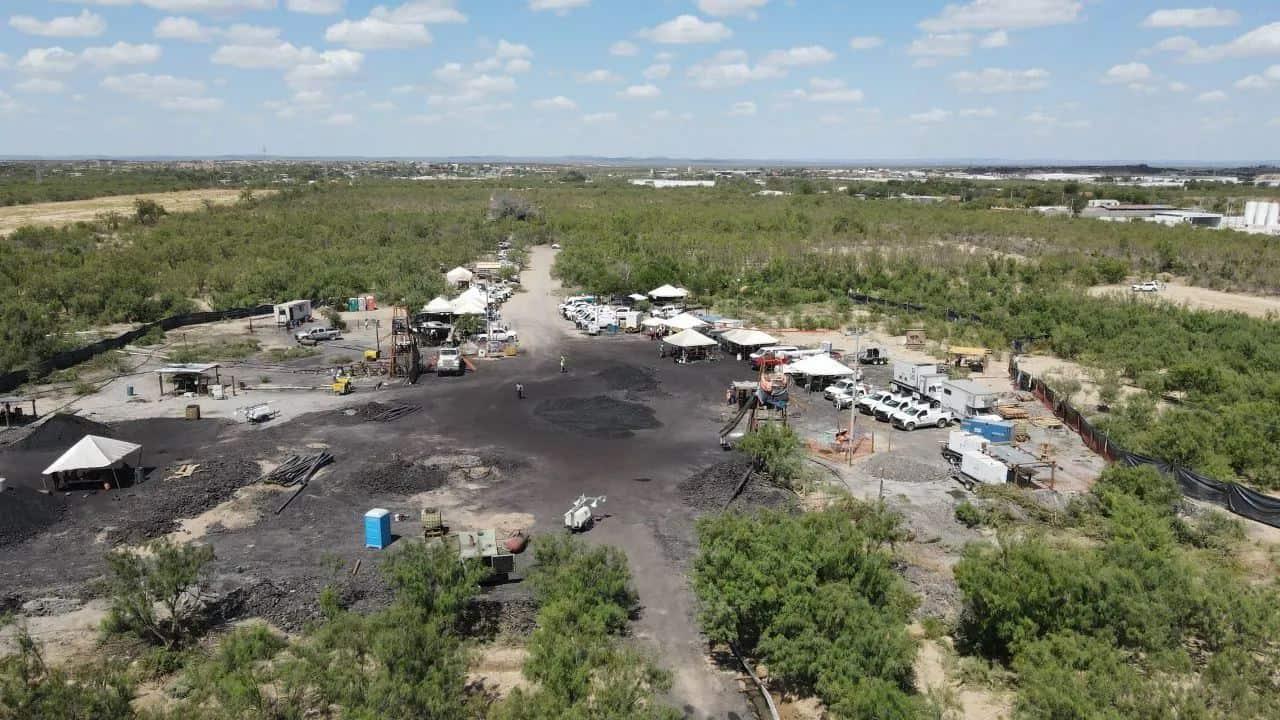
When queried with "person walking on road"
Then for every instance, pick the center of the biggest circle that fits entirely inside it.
(520, 391)
(563, 369)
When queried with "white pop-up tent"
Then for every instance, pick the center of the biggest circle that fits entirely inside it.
(637, 297)
(668, 292)
(748, 338)
(653, 322)
(439, 305)
(688, 339)
(467, 306)
(94, 452)
(458, 276)
(684, 321)
(818, 366)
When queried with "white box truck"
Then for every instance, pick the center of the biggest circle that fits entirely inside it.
(977, 467)
(966, 398)
(919, 378)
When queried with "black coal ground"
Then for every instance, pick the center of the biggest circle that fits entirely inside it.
(712, 488)
(599, 416)
(401, 476)
(147, 513)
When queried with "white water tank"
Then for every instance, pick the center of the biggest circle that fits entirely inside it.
(1251, 212)
(1273, 214)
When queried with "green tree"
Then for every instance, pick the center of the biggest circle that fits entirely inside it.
(147, 211)
(158, 595)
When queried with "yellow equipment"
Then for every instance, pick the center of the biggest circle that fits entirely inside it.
(370, 355)
(341, 385)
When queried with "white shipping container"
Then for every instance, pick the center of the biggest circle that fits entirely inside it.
(983, 468)
(908, 373)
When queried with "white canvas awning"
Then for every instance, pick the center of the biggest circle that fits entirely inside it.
(818, 366)
(187, 368)
(684, 321)
(688, 339)
(458, 275)
(668, 292)
(94, 453)
(749, 338)
(440, 304)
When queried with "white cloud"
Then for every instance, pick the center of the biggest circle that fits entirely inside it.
(122, 53)
(997, 39)
(1213, 96)
(799, 57)
(426, 12)
(624, 48)
(663, 56)
(983, 112)
(826, 90)
(241, 34)
(1252, 82)
(382, 106)
(192, 104)
(724, 8)
(341, 119)
(326, 66)
(86, 24)
(507, 50)
(374, 33)
(40, 86)
(640, 92)
(832, 119)
(1178, 87)
(4, 61)
(1133, 72)
(182, 28)
(1260, 41)
(558, 102)
(469, 91)
(946, 45)
(1177, 43)
(687, 30)
(143, 86)
(930, 117)
(743, 109)
(7, 104)
(315, 7)
(1046, 122)
(657, 71)
(730, 68)
(999, 80)
(559, 6)
(1191, 18)
(599, 118)
(1003, 15)
(518, 66)
(865, 42)
(48, 60)
(599, 77)
(281, 56)
(204, 6)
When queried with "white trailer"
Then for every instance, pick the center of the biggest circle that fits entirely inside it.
(966, 398)
(294, 312)
(907, 374)
(978, 467)
(630, 320)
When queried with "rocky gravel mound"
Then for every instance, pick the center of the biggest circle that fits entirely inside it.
(887, 466)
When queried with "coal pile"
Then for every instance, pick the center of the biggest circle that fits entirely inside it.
(153, 508)
(629, 377)
(712, 488)
(25, 513)
(402, 477)
(381, 412)
(599, 416)
(901, 469)
(60, 432)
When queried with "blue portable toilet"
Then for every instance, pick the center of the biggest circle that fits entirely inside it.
(377, 528)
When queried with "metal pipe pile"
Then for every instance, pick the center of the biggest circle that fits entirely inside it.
(297, 469)
(396, 412)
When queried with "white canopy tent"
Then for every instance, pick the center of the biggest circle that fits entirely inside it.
(749, 338)
(637, 297)
(688, 339)
(438, 305)
(818, 366)
(94, 452)
(459, 275)
(653, 322)
(684, 321)
(467, 306)
(668, 292)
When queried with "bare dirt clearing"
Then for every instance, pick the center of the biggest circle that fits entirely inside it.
(1196, 298)
(62, 213)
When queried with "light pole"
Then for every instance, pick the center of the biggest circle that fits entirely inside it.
(853, 405)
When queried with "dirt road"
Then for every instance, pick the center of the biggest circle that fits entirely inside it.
(1197, 298)
(63, 213)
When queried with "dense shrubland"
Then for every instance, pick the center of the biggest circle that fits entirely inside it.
(814, 597)
(1147, 618)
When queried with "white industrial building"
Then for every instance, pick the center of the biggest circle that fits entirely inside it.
(664, 183)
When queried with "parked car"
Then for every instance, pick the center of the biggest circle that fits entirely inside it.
(499, 335)
(1148, 286)
(846, 385)
(868, 404)
(915, 417)
(889, 407)
(449, 361)
(845, 399)
(555, 246)
(317, 334)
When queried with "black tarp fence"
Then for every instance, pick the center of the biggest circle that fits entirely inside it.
(1230, 496)
(71, 358)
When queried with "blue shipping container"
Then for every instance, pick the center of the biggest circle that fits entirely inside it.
(993, 430)
(377, 528)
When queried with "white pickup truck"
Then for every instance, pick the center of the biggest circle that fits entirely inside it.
(868, 404)
(1148, 286)
(914, 417)
(316, 334)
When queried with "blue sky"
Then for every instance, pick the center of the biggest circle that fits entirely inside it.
(1087, 80)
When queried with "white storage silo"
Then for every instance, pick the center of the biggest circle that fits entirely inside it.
(1251, 212)
(1273, 215)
